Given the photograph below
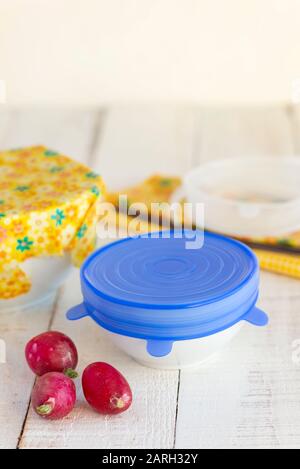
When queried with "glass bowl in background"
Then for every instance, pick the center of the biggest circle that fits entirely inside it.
(248, 197)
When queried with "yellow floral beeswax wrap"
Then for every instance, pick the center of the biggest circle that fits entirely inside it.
(48, 206)
(153, 193)
(156, 188)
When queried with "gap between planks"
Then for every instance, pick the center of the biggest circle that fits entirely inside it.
(177, 406)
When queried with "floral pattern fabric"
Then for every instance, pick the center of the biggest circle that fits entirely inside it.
(48, 205)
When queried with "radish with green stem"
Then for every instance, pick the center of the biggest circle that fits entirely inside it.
(52, 351)
(106, 389)
(53, 396)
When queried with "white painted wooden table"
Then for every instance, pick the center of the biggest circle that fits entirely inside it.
(250, 397)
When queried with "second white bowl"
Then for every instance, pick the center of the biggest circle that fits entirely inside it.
(248, 197)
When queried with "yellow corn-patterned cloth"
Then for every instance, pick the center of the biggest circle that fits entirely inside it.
(48, 205)
(161, 188)
(286, 264)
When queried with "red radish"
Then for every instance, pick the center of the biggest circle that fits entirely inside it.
(53, 396)
(105, 389)
(52, 351)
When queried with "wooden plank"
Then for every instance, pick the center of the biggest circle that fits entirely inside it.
(224, 133)
(279, 286)
(70, 132)
(141, 140)
(6, 120)
(248, 398)
(294, 112)
(73, 133)
(16, 380)
(148, 424)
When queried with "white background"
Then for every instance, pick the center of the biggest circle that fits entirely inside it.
(90, 52)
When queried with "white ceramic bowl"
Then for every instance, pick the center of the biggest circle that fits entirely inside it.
(184, 354)
(47, 275)
(248, 197)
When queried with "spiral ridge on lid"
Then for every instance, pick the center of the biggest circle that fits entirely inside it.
(161, 272)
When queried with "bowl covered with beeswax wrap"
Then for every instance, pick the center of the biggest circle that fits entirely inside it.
(48, 213)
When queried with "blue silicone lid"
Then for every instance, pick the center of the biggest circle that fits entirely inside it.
(154, 288)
